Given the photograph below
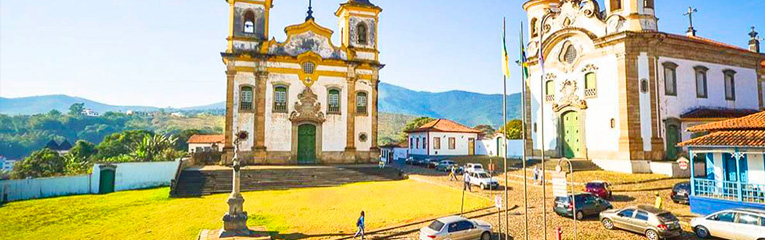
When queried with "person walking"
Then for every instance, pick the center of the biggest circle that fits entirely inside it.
(658, 203)
(466, 180)
(453, 173)
(536, 174)
(360, 226)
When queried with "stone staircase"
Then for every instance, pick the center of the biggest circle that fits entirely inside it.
(194, 182)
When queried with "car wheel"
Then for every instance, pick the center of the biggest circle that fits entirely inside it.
(651, 234)
(702, 232)
(483, 186)
(486, 236)
(608, 224)
(579, 215)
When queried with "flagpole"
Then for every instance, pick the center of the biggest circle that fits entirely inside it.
(523, 128)
(504, 132)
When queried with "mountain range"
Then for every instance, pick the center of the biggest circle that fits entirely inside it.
(468, 108)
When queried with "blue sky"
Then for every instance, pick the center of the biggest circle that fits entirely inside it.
(166, 52)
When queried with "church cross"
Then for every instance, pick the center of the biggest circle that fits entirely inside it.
(310, 12)
(691, 11)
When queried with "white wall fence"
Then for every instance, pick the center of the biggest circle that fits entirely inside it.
(488, 147)
(127, 176)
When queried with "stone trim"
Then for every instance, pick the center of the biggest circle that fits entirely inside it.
(294, 147)
(350, 143)
(229, 132)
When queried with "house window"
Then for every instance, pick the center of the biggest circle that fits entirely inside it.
(424, 143)
(308, 67)
(590, 85)
(670, 79)
(333, 100)
(245, 98)
(417, 145)
(452, 143)
(616, 5)
(644, 86)
(361, 103)
(436, 143)
(534, 31)
(730, 85)
(361, 30)
(280, 99)
(249, 22)
(701, 82)
(648, 4)
(410, 143)
(549, 90)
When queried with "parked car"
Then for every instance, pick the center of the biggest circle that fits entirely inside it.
(484, 180)
(432, 163)
(409, 161)
(739, 223)
(455, 227)
(599, 188)
(653, 222)
(587, 204)
(421, 162)
(473, 167)
(680, 192)
(446, 165)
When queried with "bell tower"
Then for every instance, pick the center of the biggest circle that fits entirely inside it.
(248, 24)
(637, 15)
(358, 28)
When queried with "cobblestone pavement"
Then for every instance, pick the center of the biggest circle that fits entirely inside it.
(589, 228)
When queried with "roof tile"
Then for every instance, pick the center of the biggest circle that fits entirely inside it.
(197, 138)
(444, 125)
(752, 122)
(748, 138)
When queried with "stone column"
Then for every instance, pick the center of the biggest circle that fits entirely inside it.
(374, 151)
(657, 144)
(630, 141)
(228, 147)
(259, 151)
(350, 144)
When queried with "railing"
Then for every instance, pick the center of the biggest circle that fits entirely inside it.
(280, 107)
(592, 92)
(361, 110)
(745, 192)
(333, 109)
(245, 106)
(550, 98)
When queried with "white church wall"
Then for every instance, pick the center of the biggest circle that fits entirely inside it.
(645, 101)
(278, 127)
(243, 121)
(334, 128)
(364, 123)
(599, 136)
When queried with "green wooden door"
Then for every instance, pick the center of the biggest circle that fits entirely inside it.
(106, 181)
(673, 136)
(306, 144)
(572, 142)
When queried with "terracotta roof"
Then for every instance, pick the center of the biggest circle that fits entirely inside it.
(395, 145)
(706, 41)
(444, 125)
(196, 138)
(762, 64)
(751, 122)
(748, 138)
(717, 113)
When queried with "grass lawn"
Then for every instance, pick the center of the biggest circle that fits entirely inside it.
(150, 214)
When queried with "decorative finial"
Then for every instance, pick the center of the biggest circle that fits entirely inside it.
(310, 12)
(753, 33)
(691, 31)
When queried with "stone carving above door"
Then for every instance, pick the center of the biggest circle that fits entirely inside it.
(569, 98)
(307, 109)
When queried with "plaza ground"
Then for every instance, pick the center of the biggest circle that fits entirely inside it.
(322, 212)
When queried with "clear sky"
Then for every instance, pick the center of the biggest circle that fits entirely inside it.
(166, 52)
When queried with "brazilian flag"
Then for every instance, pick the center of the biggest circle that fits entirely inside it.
(524, 63)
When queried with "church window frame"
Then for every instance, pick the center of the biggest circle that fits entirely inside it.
(648, 4)
(670, 79)
(362, 33)
(700, 78)
(534, 29)
(362, 103)
(309, 67)
(729, 79)
(281, 96)
(616, 5)
(436, 143)
(644, 85)
(549, 90)
(590, 85)
(248, 25)
(334, 102)
(568, 53)
(246, 98)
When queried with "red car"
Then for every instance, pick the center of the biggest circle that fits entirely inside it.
(599, 188)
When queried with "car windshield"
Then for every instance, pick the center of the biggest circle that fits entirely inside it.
(483, 175)
(436, 225)
(667, 217)
(561, 199)
(594, 185)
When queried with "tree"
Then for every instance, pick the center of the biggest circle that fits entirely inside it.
(41, 163)
(54, 113)
(76, 109)
(513, 129)
(121, 143)
(486, 130)
(412, 125)
(80, 158)
(155, 148)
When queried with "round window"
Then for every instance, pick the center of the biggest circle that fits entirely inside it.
(363, 137)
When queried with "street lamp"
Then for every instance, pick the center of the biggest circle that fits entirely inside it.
(552, 11)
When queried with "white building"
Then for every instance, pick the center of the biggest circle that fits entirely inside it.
(616, 90)
(442, 138)
(303, 100)
(6, 164)
(89, 112)
(394, 152)
(205, 143)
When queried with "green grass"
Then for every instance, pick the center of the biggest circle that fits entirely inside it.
(150, 214)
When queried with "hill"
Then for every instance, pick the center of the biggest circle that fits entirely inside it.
(43, 104)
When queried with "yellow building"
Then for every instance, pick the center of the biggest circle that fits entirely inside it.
(304, 100)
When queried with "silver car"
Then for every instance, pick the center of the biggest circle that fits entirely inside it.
(735, 224)
(653, 222)
(456, 228)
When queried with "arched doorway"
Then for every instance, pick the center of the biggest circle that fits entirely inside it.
(106, 179)
(572, 134)
(306, 144)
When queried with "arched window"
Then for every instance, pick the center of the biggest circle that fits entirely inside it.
(549, 90)
(333, 101)
(533, 26)
(730, 85)
(670, 79)
(701, 81)
(280, 99)
(245, 98)
(648, 4)
(249, 22)
(590, 85)
(361, 31)
(361, 103)
(616, 5)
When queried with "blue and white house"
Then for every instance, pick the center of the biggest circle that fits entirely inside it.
(734, 176)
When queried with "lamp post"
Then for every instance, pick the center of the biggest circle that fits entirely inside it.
(552, 11)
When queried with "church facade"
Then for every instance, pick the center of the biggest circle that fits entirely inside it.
(616, 88)
(304, 100)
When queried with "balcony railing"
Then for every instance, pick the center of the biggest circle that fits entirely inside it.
(550, 98)
(591, 92)
(333, 109)
(280, 107)
(745, 192)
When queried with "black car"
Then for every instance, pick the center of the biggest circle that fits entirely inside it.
(421, 162)
(587, 204)
(409, 161)
(680, 192)
(432, 163)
